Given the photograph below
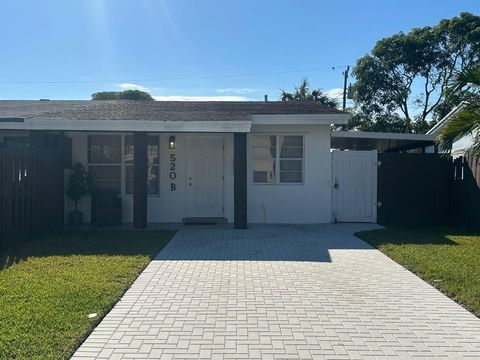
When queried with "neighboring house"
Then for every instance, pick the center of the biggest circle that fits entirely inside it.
(460, 146)
(255, 162)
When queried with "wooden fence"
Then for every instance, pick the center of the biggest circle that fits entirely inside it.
(465, 193)
(429, 189)
(414, 189)
(31, 191)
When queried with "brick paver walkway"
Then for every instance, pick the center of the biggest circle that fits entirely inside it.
(281, 293)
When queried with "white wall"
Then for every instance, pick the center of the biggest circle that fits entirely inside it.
(462, 145)
(459, 147)
(168, 206)
(309, 202)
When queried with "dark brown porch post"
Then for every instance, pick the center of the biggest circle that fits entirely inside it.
(140, 180)
(240, 180)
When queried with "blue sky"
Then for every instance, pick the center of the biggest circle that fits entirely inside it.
(61, 49)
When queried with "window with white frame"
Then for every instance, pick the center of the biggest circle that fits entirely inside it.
(278, 159)
(106, 163)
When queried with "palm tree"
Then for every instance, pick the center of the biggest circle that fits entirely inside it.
(466, 121)
(303, 93)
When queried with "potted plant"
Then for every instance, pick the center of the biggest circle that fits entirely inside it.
(80, 183)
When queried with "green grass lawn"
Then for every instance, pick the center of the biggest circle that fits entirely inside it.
(447, 258)
(49, 285)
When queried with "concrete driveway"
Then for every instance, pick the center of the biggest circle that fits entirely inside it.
(281, 292)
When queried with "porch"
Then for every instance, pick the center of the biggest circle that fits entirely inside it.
(168, 178)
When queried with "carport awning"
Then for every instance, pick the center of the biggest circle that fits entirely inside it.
(359, 140)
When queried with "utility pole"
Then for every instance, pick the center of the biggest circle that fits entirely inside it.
(345, 78)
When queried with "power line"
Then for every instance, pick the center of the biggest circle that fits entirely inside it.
(333, 68)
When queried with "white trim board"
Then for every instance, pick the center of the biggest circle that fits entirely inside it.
(441, 124)
(174, 126)
(129, 125)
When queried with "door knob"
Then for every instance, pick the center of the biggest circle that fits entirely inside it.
(189, 184)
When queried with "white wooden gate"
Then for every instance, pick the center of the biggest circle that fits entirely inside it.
(354, 186)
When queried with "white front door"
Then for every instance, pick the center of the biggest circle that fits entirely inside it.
(204, 176)
(355, 186)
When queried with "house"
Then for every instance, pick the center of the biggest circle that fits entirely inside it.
(245, 162)
(461, 145)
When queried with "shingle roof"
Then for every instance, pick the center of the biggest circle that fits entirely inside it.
(155, 110)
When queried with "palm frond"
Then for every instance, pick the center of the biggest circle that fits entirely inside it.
(469, 77)
(466, 82)
(303, 92)
(285, 96)
(466, 122)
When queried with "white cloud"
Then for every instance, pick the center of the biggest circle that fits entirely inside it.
(335, 93)
(238, 90)
(200, 98)
(128, 86)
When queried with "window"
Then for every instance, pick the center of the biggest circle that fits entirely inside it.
(153, 161)
(105, 160)
(291, 159)
(278, 159)
(107, 165)
(264, 158)
(104, 149)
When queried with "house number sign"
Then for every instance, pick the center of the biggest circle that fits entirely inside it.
(173, 172)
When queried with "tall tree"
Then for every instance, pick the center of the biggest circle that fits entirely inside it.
(388, 78)
(304, 93)
(122, 95)
(391, 123)
(468, 120)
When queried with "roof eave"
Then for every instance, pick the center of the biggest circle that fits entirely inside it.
(130, 125)
(441, 124)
